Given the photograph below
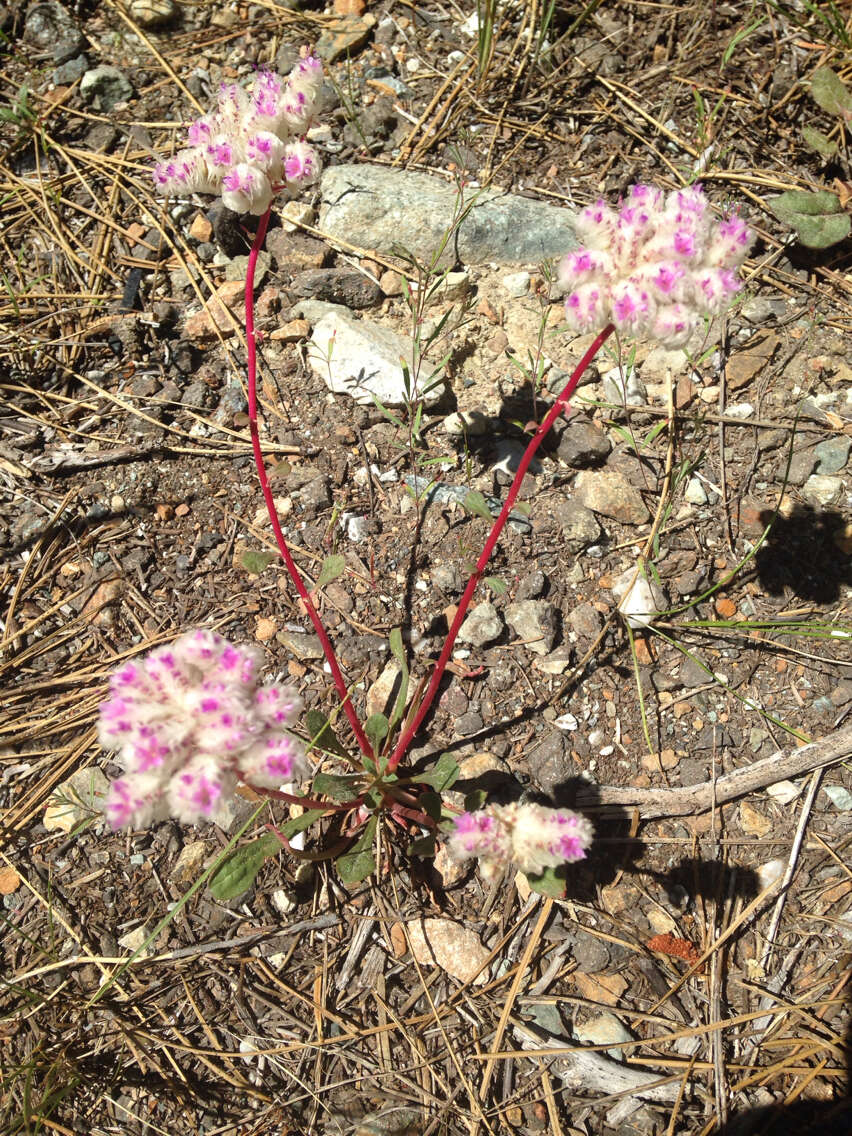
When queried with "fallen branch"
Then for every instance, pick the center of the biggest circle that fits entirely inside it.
(692, 799)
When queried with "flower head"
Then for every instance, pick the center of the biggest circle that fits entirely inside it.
(532, 836)
(654, 266)
(188, 722)
(251, 146)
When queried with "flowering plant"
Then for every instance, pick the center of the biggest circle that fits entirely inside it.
(192, 720)
(654, 266)
(252, 145)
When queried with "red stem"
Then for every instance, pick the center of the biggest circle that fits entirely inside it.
(289, 563)
(539, 436)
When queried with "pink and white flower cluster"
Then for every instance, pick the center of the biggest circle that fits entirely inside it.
(190, 721)
(655, 266)
(253, 144)
(533, 837)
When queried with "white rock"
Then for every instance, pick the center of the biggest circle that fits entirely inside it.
(695, 493)
(283, 902)
(449, 945)
(841, 798)
(134, 939)
(821, 488)
(566, 722)
(517, 284)
(362, 359)
(740, 410)
(641, 603)
(783, 792)
(355, 526)
(771, 872)
(624, 392)
(76, 800)
(604, 1029)
(382, 694)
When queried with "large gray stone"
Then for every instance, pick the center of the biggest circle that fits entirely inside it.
(379, 208)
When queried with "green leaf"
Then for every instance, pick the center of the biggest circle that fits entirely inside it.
(819, 141)
(322, 735)
(423, 846)
(398, 652)
(496, 585)
(431, 805)
(831, 93)
(817, 217)
(332, 567)
(336, 786)
(551, 881)
(236, 874)
(255, 562)
(475, 800)
(376, 728)
(300, 823)
(474, 502)
(360, 861)
(442, 774)
(522, 507)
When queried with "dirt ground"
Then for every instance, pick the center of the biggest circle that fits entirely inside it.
(704, 950)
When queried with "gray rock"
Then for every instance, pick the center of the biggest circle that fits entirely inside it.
(379, 208)
(315, 496)
(762, 310)
(548, 762)
(531, 586)
(578, 524)
(586, 621)
(534, 622)
(468, 724)
(337, 286)
(237, 268)
(303, 644)
(802, 465)
(557, 662)
(105, 86)
(581, 443)
(482, 625)
(49, 27)
(832, 455)
(608, 493)
(71, 71)
(590, 953)
(448, 578)
(364, 361)
(196, 396)
(821, 490)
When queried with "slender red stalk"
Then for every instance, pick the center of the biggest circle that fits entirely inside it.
(539, 436)
(289, 563)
